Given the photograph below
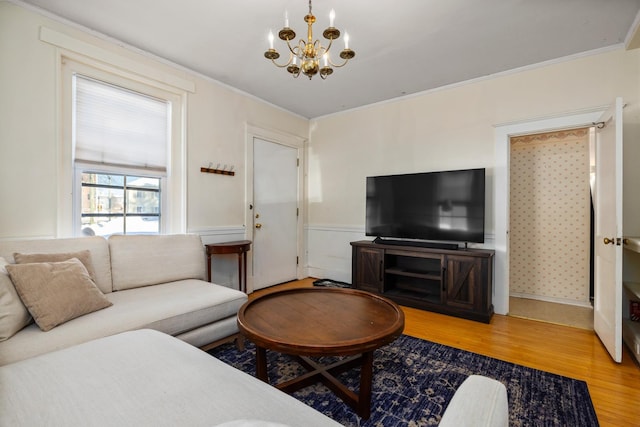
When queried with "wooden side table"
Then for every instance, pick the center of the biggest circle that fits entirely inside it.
(241, 248)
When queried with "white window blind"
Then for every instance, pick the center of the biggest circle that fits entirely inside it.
(119, 127)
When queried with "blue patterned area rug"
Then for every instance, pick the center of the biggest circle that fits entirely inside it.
(330, 283)
(414, 380)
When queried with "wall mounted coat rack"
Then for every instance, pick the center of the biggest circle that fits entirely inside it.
(218, 171)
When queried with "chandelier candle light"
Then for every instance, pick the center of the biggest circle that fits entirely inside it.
(309, 53)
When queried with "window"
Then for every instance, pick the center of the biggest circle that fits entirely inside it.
(121, 144)
(120, 204)
(120, 119)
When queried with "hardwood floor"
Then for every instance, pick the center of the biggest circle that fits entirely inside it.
(572, 352)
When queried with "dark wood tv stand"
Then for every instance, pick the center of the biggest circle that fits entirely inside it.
(454, 282)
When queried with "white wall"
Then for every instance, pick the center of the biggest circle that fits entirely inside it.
(28, 127)
(216, 120)
(445, 129)
(453, 128)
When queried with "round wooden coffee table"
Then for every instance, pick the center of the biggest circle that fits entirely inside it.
(306, 322)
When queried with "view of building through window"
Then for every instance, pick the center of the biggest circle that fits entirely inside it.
(120, 204)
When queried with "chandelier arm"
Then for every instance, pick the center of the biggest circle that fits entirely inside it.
(283, 65)
(326, 50)
(301, 48)
(338, 65)
(291, 49)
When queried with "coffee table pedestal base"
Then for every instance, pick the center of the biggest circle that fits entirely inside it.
(361, 402)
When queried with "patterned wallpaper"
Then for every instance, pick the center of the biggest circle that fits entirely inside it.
(550, 216)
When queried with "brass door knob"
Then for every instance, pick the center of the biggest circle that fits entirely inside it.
(608, 241)
(258, 225)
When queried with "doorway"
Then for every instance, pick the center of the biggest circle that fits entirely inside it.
(550, 210)
(275, 207)
(274, 210)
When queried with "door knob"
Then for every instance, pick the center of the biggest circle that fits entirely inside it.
(258, 225)
(608, 241)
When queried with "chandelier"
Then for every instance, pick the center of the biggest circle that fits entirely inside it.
(306, 57)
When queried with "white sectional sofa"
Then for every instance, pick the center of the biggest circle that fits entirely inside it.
(134, 360)
(142, 378)
(147, 378)
(155, 282)
(119, 365)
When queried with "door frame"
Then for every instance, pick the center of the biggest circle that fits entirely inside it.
(503, 134)
(289, 140)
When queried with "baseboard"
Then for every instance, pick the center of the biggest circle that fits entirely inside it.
(319, 273)
(556, 300)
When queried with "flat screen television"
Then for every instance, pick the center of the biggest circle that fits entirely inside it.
(431, 206)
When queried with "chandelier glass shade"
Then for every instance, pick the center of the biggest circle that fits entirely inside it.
(310, 57)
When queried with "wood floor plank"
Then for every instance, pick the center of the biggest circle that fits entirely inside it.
(568, 351)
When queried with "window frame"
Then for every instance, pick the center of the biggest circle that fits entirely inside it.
(173, 182)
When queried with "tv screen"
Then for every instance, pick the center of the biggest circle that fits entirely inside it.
(443, 206)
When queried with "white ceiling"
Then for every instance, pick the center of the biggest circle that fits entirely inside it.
(402, 46)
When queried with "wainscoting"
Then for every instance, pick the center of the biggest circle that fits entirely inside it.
(224, 268)
(329, 250)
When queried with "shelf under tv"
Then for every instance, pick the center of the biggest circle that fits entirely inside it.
(434, 275)
(416, 243)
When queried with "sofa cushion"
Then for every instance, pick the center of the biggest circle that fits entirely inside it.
(205, 335)
(139, 260)
(173, 308)
(83, 256)
(13, 314)
(177, 307)
(97, 245)
(141, 378)
(56, 292)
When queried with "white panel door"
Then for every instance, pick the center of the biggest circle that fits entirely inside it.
(607, 312)
(275, 203)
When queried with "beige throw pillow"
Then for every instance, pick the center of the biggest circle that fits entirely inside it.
(83, 256)
(13, 314)
(56, 292)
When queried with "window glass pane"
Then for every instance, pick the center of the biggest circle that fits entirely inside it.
(143, 202)
(143, 182)
(143, 225)
(103, 179)
(102, 200)
(102, 226)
